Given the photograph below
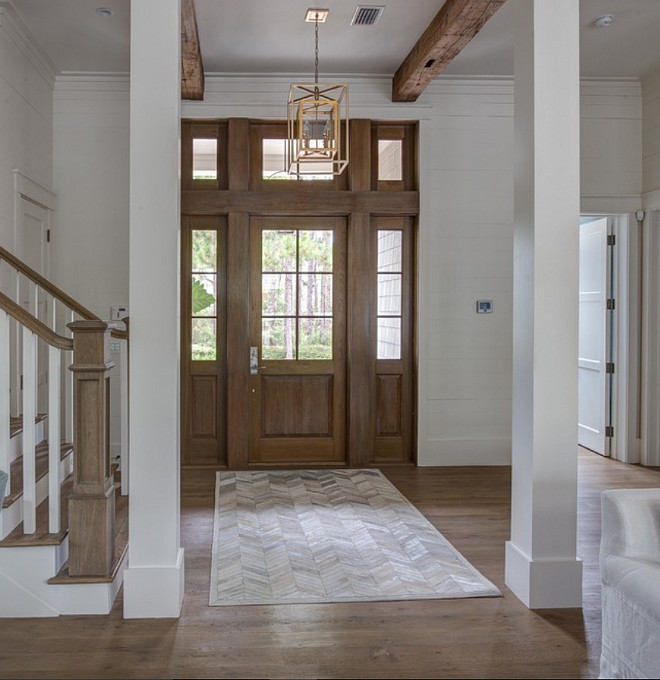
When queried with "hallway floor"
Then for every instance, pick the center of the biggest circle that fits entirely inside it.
(473, 638)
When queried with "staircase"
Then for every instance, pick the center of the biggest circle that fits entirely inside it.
(63, 521)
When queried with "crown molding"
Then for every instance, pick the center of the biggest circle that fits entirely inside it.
(17, 31)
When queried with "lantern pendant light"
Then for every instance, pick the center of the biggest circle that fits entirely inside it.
(317, 121)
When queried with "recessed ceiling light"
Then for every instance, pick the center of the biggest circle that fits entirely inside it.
(104, 11)
(314, 15)
(604, 20)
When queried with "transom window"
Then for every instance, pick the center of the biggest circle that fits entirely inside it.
(390, 160)
(274, 163)
(205, 158)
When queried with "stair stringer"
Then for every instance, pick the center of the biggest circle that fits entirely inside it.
(24, 574)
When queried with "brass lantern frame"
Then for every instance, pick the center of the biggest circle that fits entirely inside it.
(317, 106)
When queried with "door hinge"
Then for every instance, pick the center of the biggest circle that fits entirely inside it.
(611, 304)
(47, 235)
(609, 367)
(611, 240)
(609, 431)
(21, 387)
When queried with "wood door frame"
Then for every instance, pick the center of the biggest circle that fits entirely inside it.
(218, 367)
(240, 194)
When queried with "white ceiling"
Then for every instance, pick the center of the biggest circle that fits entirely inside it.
(271, 36)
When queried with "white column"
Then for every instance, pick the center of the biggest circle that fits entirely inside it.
(154, 580)
(541, 565)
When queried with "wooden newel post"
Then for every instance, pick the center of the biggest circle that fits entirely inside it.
(92, 503)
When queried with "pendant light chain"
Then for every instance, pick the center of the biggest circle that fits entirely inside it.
(316, 61)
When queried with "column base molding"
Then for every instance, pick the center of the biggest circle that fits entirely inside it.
(543, 584)
(154, 592)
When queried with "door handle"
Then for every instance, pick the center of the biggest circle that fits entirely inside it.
(254, 361)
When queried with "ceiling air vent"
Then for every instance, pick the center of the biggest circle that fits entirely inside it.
(367, 15)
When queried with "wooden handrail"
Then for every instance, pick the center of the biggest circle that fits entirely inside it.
(36, 326)
(56, 292)
(46, 285)
(119, 334)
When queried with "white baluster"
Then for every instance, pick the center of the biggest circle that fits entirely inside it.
(35, 301)
(68, 397)
(123, 410)
(5, 423)
(54, 438)
(16, 356)
(29, 432)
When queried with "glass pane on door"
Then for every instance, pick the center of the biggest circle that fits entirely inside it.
(296, 294)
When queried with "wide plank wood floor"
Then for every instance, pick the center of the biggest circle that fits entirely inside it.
(478, 638)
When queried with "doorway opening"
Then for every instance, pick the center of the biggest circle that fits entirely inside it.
(610, 332)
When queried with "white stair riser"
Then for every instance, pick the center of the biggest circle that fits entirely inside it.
(16, 442)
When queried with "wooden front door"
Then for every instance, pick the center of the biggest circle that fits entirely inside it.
(297, 336)
(298, 307)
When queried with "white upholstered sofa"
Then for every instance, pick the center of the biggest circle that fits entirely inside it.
(630, 572)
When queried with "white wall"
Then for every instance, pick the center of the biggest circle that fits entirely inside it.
(610, 145)
(89, 258)
(26, 82)
(91, 145)
(650, 440)
(466, 170)
(466, 255)
(651, 140)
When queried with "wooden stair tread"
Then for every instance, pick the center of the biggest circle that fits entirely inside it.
(121, 547)
(16, 424)
(16, 469)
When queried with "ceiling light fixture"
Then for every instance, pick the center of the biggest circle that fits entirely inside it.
(317, 120)
(104, 11)
(604, 20)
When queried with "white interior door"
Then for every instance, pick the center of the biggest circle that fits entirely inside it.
(33, 233)
(592, 344)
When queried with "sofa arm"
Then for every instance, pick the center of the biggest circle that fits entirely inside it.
(631, 524)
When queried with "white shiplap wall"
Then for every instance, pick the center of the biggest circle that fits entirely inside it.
(91, 155)
(651, 141)
(465, 254)
(26, 144)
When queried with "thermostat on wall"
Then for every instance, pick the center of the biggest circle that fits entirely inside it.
(484, 306)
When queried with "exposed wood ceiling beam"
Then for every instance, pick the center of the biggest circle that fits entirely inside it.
(192, 69)
(457, 22)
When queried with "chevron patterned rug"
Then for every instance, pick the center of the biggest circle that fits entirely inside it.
(311, 536)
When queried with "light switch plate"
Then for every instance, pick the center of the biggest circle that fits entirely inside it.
(118, 313)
